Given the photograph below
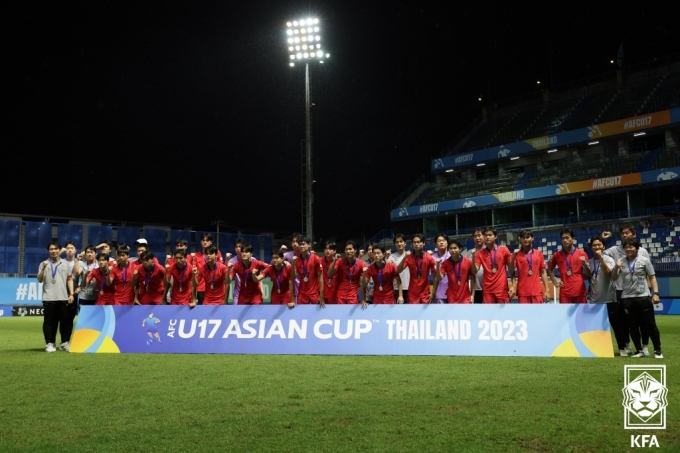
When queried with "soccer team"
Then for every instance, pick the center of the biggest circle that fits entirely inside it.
(299, 276)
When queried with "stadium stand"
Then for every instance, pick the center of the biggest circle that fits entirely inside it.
(592, 154)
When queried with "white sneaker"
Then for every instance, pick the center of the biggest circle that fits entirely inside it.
(658, 355)
(645, 351)
(629, 351)
(623, 353)
(50, 347)
(638, 354)
(65, 346)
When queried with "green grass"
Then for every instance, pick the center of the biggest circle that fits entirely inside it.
(110, 402)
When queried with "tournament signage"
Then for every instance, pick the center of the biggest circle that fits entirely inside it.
(582, 135)
(562, 330)
(611, 182)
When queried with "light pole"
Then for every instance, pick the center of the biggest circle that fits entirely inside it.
(304, 45)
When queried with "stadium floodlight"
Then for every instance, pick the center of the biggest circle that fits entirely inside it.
(514, 158)
(552, 150)
(593, 143)
(637, 134)
(304, 35)
(481, 165)
(449, 170)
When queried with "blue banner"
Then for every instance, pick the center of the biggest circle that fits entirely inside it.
(20, 291)
(468, 330)
(5, 310)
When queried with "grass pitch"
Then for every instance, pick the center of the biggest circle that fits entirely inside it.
(110, 402)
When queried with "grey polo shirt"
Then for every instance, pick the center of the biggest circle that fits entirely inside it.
(54, 286)
(602, 288)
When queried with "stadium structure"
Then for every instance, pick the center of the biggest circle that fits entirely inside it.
(587, 155)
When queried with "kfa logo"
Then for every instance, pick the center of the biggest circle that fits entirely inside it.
(438, 163)
(644, 397)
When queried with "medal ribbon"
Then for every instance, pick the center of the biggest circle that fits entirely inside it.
(493, 259)
(212, 272)
(380, 274)
(529, 257)
(181, 276)
(305, 271)
(53, 269)
(147, 274)
(567, 258)
(596, 269)
(419, 267)
(123, 273)
(276, 276)
(101, 284)
(631, 268)
(460, 265)
(350, 269)
(247, 271)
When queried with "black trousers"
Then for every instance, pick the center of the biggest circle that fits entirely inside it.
(56, 316)
(200, 295)
(618, 323)
(479, 296)
(404, 292)
(640, 311)
(644, 334)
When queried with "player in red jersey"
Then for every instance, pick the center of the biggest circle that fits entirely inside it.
(384, 276)
(180, 244)
(214, 275)
(419, 266)
(282, 280)
(149, 279)
(530, 265)
(570, 261)
(309, 271)
(457, 269)
(330, 289)
(121, 277)
(199, 260)
(249, 291)
(105, 292)
(179, 280)
(493, 259)
(349, 272)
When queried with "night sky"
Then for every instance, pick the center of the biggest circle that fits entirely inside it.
(181, 113)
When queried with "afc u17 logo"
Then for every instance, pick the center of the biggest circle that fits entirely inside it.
(644, 396)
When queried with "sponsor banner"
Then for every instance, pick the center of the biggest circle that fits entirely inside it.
(667, 307)
(5, 311)
(15, 291)
(28, 310)
(611, 182)
(560, 139)
(560, 330)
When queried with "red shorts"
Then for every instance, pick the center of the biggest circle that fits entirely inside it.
(464, 302)
(500, 298)
(307, 302)
(347, 301)
(387, 302)
(530, 299)
(573, 300)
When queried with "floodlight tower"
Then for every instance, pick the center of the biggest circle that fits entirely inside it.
(304, 45)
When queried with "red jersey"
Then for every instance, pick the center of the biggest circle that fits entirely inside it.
(419, 284)
(494, 282)
(384, 278)
(307, 269)
(330, 289)
(280, 284)
(181, 284)
(349, 278)
(121, 280)
(458, 275)
(151, 286)
(529, 285)
(199, 260)
(249, 291)
(105, 294)
(214, 283)
(171, 261)
(574, 286)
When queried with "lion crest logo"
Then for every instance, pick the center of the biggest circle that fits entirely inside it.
(645, 397)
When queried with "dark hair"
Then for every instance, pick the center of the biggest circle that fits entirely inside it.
(456, 242)
(568, 231)
(181, 252)
(211, 250)
(278, 253)
(442, 235)
(138, 245)
(53, 242)
(91, 248)
(352, 243)
(123, 248)
(524, 233)
(102, 256)
(633, 242)
(296, 237)
(305, 240)
(247, 248)
(238, 241)
(146, 256)
(596, 238)
(477, 230)
(206, 236)
(331, 245)
(181, 241)
(628, 226)
(371, 245)
(493, 230)
(70, 243)
(378, 247)
(398, 236)
(419, 236)
(107, 243)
